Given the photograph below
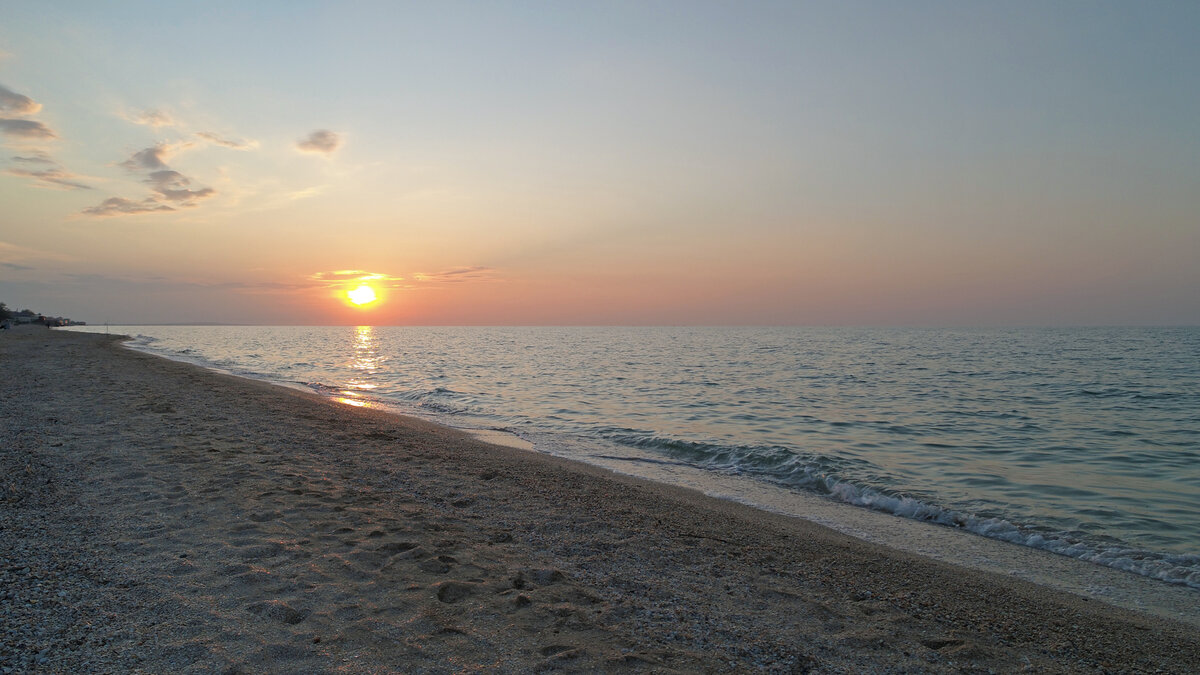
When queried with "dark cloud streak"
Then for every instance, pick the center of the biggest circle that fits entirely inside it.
(12, 103)
(38, 158)
(26, 129)
(118, 206)
(323, 141)
(457, 275)
(154, 118)
(46, 172)
(150, 159)
(54, 176)
(225, 142)
(173, 186)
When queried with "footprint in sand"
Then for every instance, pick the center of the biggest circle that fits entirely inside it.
(438, 565)
(454, 591)
(533, 578)
(278, 611)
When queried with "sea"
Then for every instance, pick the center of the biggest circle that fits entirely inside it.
(1084, 442)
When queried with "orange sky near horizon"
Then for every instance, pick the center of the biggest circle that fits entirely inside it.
(602, 164)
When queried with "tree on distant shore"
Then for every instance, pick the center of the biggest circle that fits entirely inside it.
(4, 313)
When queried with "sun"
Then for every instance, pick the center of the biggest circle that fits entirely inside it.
(362, 295)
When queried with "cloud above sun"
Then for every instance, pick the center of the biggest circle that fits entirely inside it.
(341, 277)
(410, 281)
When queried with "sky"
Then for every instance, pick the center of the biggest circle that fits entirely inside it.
(618, 163)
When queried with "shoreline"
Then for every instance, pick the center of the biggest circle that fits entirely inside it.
(266, 528)
(965, 547)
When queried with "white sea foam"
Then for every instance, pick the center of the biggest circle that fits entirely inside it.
(1175, 569)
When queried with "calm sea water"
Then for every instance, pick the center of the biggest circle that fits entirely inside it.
(1085, 442)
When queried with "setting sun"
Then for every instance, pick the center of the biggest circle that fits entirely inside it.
(362, 295)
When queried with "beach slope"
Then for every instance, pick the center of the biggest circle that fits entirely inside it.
(160, 517)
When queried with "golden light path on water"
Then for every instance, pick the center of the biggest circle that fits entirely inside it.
(365, 361)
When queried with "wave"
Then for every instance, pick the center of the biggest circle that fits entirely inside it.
(820, 474)
(433, 401)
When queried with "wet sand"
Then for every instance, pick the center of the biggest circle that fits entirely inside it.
(160, 517)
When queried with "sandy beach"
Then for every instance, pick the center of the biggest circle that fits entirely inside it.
(158, 517)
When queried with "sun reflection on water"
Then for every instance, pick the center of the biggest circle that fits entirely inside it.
(365, 362)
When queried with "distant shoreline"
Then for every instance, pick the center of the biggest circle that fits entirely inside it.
(684, 325)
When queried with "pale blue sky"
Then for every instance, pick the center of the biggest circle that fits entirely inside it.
(673, 162)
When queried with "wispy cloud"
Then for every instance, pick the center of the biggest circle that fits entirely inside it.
(12, 103)
(37, 165)
(152, 158)
(152, 118)
(225, 142)
(321, 141)
(26, 129)
(14, 106)
(38, 157)
(15, 267)
(174, 187)
(171, 188)
(45, 172)
(340, 275)
(457, 275)
(119, 206)
(338, 278)
(347, 277)
(53, 176)
(168, 188)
